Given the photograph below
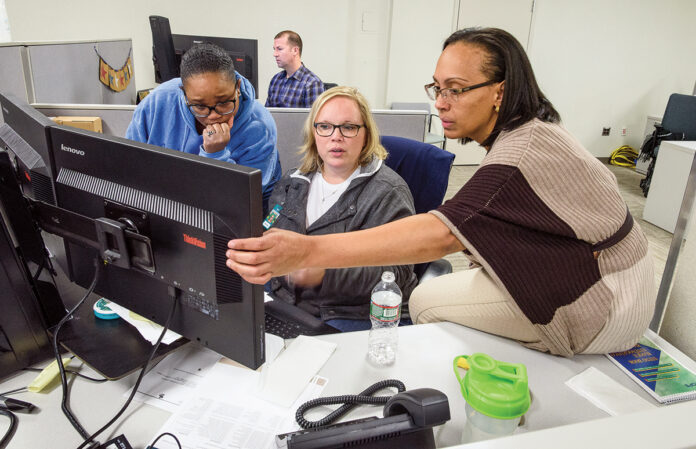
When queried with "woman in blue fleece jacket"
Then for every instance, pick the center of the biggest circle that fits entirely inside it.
(210, 111)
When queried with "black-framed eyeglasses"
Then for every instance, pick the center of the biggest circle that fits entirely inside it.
(222, 108)
(450, 94)
(347, 129)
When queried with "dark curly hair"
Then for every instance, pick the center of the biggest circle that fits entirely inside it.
(206, 58)
(507, 61)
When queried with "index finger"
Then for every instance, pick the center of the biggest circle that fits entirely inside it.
(250, 244)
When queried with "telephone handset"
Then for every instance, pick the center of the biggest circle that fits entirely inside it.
(409, 418)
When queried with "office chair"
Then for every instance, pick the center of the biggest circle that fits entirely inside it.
(426, 169)
(677, 124)
(328, 86)
(163, 53)
(679, 115)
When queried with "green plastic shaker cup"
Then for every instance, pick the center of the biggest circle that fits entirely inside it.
(496, 394)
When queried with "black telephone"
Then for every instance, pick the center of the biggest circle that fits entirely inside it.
(409, 418)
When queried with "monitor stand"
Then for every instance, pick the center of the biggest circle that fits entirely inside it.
(113, 348)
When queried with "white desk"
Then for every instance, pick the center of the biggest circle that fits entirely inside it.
(424, 360)
(668, 184)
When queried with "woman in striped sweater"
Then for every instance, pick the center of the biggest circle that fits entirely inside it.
(557, 261)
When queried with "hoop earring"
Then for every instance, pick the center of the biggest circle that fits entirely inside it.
(497, 108)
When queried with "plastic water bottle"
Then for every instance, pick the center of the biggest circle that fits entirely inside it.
(385, 313)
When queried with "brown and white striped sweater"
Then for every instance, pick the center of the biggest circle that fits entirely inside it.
(533, 215)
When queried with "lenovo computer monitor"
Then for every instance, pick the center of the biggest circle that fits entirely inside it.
(26, 131)
(244, 53)
(168, 48)
(188, 208)
(177, 212)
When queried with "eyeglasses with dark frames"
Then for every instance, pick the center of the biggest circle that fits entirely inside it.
(222, 108)
(450, 94)
(347, 129)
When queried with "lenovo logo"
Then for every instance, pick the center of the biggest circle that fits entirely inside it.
(194, 241)
(72, 150)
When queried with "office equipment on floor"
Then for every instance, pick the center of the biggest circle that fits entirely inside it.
(148, 213)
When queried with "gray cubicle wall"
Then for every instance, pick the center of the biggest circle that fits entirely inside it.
(290, 121)
(115, 117)
(13, 70)
(64, 72)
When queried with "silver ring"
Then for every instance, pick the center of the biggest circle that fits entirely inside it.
(210, 133)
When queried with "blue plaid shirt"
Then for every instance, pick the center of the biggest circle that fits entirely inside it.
(298, 91)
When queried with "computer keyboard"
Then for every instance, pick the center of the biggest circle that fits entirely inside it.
(288, 321)
(283, 329)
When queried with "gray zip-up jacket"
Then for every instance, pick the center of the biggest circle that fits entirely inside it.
(376, 196)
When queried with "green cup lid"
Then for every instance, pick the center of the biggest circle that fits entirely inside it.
(494, 388)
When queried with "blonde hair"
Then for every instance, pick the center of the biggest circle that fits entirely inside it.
(311, 161)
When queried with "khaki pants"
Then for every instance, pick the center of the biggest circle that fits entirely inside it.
(471, 298)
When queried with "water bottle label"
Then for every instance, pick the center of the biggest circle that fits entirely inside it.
(386, 314)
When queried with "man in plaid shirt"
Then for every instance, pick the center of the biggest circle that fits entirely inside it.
(296, 86)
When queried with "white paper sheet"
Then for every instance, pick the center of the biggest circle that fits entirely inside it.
(223, 413)
(283, 380)
(175, 378)
(149, 330)
(606, 393)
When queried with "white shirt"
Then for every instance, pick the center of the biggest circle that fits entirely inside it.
(322, 195)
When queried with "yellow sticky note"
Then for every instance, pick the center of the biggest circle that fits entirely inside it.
(46, 376)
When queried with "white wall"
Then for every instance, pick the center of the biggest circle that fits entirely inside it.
(612, 63)
(335, 47)
(602, 63)
(4, 24)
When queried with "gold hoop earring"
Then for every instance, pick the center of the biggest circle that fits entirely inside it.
(497, 108)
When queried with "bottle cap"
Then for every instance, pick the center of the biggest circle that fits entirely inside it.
(388, 276)
(494, 388)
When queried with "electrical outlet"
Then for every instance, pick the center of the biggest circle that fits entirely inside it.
(606, 131)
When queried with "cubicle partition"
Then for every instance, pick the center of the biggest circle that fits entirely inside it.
(115, 117)
(64, 72)
(289, 121)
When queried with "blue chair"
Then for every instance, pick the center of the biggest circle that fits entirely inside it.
(426, 169)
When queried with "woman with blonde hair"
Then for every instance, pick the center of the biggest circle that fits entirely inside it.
(342, 185)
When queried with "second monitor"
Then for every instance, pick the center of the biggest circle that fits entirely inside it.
(244, 53)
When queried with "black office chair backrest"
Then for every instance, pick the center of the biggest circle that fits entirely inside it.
(680, 115)
(426, 169)
(328, 86)
(163, 53)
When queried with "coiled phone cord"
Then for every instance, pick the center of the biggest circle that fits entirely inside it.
(349, 402)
